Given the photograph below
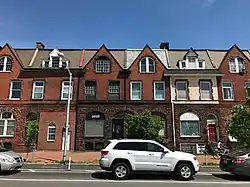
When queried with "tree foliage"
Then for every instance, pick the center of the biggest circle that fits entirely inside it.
(239, 124)
(31, 133)
(143, 126)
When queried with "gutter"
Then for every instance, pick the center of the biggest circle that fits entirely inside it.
(77, 107)
(173, 115)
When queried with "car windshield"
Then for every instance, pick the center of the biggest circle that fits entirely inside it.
(2, 149)
(240, 152)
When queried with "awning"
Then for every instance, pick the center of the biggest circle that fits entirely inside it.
(231, 139)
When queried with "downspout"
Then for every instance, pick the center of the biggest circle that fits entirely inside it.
(77, 107)
(173, 116)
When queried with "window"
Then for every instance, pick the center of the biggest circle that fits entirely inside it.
(236, 65)
(191, 62)
(51, 133)
(114, 90)
(102, 65)
(135, 90)
(181, 90)
(159, 90)
(7, 124)
(5, 64)
(201, 63)
(55, 61)
(147, 65)
(205, 90)
(94, 125)
(227, 89)
(38, 90)
(90, 90)
(65, 90)
(248, 89)
(190, 126)
(183, 64)
(15, 90)
(154, 148)
(135, 146)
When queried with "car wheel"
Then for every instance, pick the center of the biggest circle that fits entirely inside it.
(121, 171)
(184, 172)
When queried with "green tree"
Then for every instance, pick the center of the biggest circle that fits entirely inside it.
(143, 126)
(239, 124)
(31, 134)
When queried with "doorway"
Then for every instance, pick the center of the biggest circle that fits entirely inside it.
(118, 128)
(212, 132)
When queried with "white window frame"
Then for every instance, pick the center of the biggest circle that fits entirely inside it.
(5, 63)
(232, 89)
(147, 65)
(48, 133)
(210, 90)
(164, 95)
(236, 63)
(101, 64)
(6, 124)
(190, 117)
(34, 88)
(11, 89)
(187, 66)
(71, 90)
(131, 91)
(177, 90)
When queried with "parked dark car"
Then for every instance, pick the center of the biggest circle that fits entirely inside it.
(237, 162)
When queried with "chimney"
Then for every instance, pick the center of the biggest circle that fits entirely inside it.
(40, 45)
(164, 45)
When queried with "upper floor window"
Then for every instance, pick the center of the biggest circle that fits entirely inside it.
(7, 124)
(236, 65)
(159, 90)
(102, 65)
(90, 90)
(181, 90)
(15, 89)
(205, 90)
(65, 90)
(5, 64)
(192, 63)
(227, 89)
(55, 61)
(114, 90)
(147, 65)
(135, 90)
(38, 90)
(51, 136)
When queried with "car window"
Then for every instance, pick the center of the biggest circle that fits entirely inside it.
(133, 146)
(122, 146)
(154, 148)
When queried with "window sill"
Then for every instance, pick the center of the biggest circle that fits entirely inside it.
(15, 99)
(7, 136)
(50, 141)
(147, 72)
(228, 99)
(183, 136)
(5, 71)
(37, 99)
(159, 99)
(135, 99)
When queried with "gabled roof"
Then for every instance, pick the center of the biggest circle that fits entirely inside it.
(132, 54)
(14, 53)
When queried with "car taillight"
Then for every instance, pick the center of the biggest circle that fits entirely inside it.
(238, 161)
(104, 153)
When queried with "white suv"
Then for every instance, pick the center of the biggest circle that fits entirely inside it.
(125, 156)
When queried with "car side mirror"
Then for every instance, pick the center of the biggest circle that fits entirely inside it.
(165, 151)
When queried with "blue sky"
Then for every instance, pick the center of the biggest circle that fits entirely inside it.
(216, 24)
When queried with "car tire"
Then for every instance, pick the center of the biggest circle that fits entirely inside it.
(184, 172)
(121, 171)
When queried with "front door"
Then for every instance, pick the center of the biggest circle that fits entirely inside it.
(118, 128)
(212, 132)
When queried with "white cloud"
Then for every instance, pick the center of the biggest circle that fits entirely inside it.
(208, 3)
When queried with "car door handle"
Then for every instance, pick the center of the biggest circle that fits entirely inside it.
(129, 153)
(151, 154)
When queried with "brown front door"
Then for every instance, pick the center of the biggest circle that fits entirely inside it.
(212, 133)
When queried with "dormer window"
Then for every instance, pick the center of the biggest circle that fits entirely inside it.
(147, 65)
(5, 64)
(191, 62)
(55, 61)
(236, 65)
(102, 65)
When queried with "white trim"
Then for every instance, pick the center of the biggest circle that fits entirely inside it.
(10, 94)
(132, 82)
(232, 89)
(34, 87)
(5, 126)
(51, 127)
(210, 90)
(33, 57)
(147, 65)
(176, 90)
(164, 95)
(189, 116)
(236, 63)
(71, 90)
(5, 63)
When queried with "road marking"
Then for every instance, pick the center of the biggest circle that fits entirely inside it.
(126, 181)
(31, 170)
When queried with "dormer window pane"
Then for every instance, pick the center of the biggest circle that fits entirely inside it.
(241, 64)
(151, 65)
(200, 64)
(147, 65)
(191, 62)
(55, 62)
(183, 64)
(232, 66)
(102, 65)
(143, 65)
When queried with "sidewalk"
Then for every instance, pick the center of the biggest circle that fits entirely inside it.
(88, 158)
